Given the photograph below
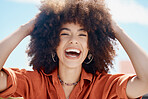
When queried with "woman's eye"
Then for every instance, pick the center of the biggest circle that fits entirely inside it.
(64, 34)
(82, 34)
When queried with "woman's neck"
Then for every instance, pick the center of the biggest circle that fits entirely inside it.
(69, 75)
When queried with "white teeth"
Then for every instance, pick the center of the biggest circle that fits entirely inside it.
(71, 55)
(73, 50)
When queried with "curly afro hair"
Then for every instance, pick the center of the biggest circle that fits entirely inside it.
(94, 16)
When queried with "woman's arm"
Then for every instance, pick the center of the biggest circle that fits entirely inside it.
(8, 44)
(137, 86)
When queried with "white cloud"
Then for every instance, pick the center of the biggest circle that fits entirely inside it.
(125, 11)
(128, 11)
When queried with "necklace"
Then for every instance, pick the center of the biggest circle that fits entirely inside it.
(67, 84)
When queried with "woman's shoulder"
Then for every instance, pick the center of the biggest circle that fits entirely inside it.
(107, 77)
(22, 73)
(18, 71)
(111, 85)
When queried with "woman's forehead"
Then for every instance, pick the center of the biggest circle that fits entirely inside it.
(72, 25)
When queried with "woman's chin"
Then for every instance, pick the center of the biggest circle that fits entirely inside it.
(72, 64)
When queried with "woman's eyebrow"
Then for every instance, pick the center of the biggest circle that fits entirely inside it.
(65, 29)
(82, 29)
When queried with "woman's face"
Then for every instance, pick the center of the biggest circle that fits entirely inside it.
(73, 46)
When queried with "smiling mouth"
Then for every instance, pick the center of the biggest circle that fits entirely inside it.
(72, 53)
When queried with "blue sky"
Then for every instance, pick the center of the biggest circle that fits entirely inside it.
(131, 15)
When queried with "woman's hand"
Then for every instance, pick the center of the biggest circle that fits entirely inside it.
(27, 28)
(118, 30)
(8, 44)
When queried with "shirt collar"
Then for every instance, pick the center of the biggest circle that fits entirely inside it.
(84, 74)
(51, 74)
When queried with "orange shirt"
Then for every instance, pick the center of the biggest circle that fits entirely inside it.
(38, 85)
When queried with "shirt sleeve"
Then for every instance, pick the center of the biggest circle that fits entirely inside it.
(21, 83)
(11, 83)
(121, 84)
(114, 86)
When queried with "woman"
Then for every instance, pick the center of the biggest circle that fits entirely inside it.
(71, 49)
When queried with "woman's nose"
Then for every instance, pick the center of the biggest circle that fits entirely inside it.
(73, 40)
